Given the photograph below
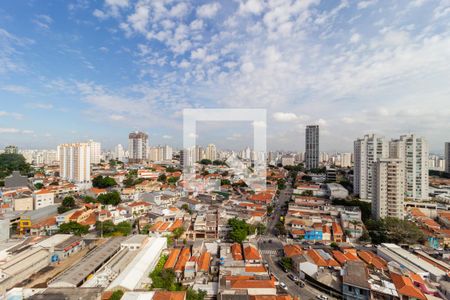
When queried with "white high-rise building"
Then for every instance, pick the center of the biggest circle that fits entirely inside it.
(137, 147)
(74, 162)
(211, 152)
(345, 160)
(413, 151)
(119, 153)
(96, 151)
(447, 157)
(167, 152)
(367, 151)
(388, 188)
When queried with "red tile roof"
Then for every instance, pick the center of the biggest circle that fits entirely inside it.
(405, 287)
(183, 259)
(236, 251)
(251, 253)
(172, 259)
(292, 250)
(204, 261)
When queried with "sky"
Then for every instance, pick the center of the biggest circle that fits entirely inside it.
(77, 70)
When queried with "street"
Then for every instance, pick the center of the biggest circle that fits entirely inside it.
(271, 246)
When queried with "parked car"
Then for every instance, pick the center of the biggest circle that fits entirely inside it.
(293, 277)
(283, 285)
(322, 297)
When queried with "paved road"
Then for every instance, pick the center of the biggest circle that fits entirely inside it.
(305, 293)
(280, 201)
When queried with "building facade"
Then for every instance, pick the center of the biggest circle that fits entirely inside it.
(312, 147)
(137, 147)
(96, 151)
(74, 162)
(413, 151)
(447, 157)
(367, 151)
(388, 188)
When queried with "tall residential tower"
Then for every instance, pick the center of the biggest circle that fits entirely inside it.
(137, 147)
(74, 162)
(367, 151)
(312, 147)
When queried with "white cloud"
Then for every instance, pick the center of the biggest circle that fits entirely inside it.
(251, 6)
(43, 21)
(117, 117)
(167, 137)
(118, 3)
(16, 89)
(14, 115)
(40, 105)
(208, 10)
(366, 4)
(9, 130)
(285, 117)
(100, 14)
(355, 38)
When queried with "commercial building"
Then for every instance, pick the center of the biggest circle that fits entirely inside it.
(43, 198)
(96, 151)
(119, 152)
(413, 151)
(211, 152)
(11, 149)
(134, 276)
(137, 147)
(415, 264)
(447, 157)
(388, 188)
(21, 266)
(74, 162)
(367, 151)
(312, 147)
(78, 273)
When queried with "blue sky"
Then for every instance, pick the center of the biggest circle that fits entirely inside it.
(73, 70)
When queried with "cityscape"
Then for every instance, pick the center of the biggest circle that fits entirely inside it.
(221, 150)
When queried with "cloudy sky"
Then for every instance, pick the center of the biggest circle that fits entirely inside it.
(100, 69)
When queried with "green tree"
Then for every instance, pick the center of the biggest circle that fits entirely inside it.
(13, 162)
(225, 182)
(205, 161)
(89, 199)
(112, 198)
(261, 228)
(68, 201)
(281, 184)
(73, 228)
(218, 162)
(38, 186)
(307, 193)
(178, 232)
(279, 227)
(287, 263)
(162, 178)
(106, 228)
(173, 180)
(117, 295)
(239, 230)
(124, 228)
(195, 295)
(103, 182)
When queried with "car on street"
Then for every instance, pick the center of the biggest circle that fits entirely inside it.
(283, 285)
(321, 297)
(293, 277)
